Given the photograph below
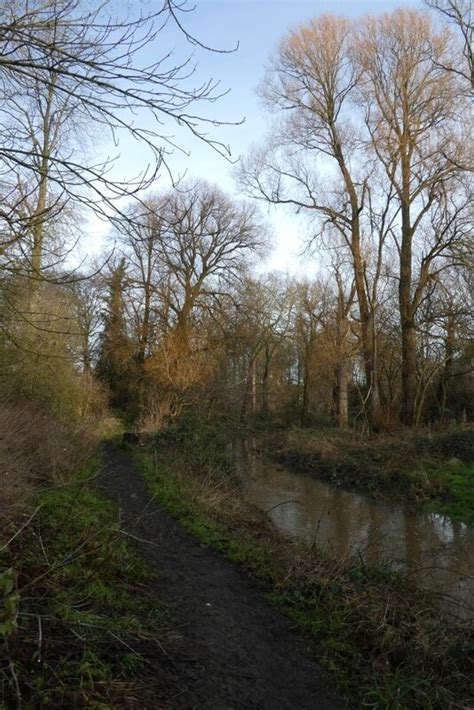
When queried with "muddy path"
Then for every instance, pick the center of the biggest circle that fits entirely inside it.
(230, 649)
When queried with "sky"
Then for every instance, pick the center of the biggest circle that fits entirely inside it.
(256, 26)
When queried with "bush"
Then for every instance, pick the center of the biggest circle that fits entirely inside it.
(459, 445)
(205, 443)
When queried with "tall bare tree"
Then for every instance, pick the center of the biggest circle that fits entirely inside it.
(459, 14)
(41, 124)
(315, 160)
(411, 106)
(73, 58)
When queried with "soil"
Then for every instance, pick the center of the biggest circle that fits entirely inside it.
(230, 649)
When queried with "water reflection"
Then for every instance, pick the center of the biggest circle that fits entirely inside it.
(439, 550)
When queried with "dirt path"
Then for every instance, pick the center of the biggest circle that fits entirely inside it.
(232, 649)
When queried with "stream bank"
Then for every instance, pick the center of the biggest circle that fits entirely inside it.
(384, 640)
(434, 470)
(434, 550)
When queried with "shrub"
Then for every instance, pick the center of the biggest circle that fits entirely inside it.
(458, 444)
(205, 443)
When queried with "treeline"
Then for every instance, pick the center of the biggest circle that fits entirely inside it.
(179, 334)
(371, 142)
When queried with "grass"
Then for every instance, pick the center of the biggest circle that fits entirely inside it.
(434, 470)
(456, 480)
(79, 626)
(385, 641)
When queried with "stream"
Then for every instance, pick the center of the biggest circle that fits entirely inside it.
(436, 550)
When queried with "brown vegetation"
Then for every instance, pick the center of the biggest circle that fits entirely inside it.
(35, 447)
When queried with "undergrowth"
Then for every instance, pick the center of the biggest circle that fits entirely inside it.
(77, 626)
(36, 447)
(385, 641)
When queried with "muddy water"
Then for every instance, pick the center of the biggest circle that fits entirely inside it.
(437, 551)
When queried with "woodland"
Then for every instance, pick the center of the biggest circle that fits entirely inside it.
(176, 334)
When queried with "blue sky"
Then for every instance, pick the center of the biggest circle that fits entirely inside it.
(257, 26)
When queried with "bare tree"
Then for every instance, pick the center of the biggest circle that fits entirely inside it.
(189, 245)
(459, 14)
(41, 123)
(411, 106)
(185, 252)
(141, 236)
(260, 322)
(311, 305)
(87, 311)
(75, 61)
(313, 79)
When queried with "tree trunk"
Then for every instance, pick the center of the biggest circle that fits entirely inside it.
(408, 372)
(305, 399)
(250, 391)
(266, 372)
(407, 320)
(448, 366)
(39, 216)
(38, 228)
(368, 337)
(342, 410)
(366, 318)
(253, 379)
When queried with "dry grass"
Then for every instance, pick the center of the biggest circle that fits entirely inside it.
(405, 446)
(35, 447)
